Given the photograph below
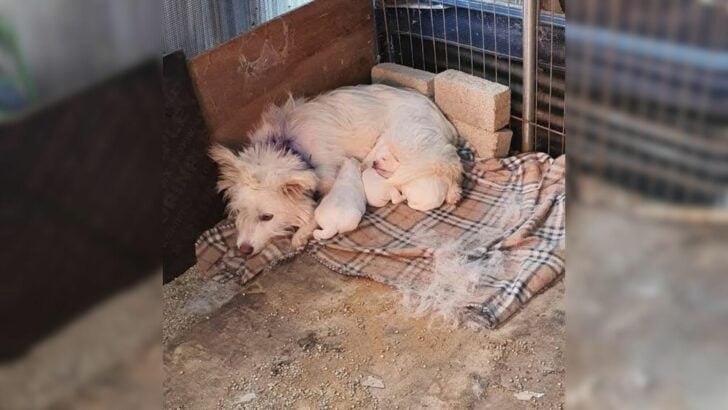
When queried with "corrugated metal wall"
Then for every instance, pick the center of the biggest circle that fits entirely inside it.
(198, 25)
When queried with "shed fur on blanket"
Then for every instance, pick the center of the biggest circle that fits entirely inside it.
(475, 263)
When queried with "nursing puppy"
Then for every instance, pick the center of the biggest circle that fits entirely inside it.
(342, 208)
(424, 193)
(378, 192)
(297, 149)
(402, 161)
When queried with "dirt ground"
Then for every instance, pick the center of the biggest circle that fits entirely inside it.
(303, 337)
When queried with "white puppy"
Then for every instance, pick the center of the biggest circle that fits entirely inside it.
(426, 193)
(401, 164)
(382, 159)
(377, 190)
(422, 193)
(342, 208)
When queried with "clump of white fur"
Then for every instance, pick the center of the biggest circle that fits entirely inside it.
(459, 266)
(456, 275)
(377, 190)
(342, 208)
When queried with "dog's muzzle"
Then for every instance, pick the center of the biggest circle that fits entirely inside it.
(246, 249)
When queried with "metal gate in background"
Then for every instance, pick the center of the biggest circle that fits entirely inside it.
(516, 43)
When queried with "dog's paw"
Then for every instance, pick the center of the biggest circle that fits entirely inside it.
(298, 242)
(453, 195)
(397, 196)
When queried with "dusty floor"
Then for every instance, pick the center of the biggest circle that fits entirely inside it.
(301, 336)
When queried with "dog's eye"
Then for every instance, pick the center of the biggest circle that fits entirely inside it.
(266, 217)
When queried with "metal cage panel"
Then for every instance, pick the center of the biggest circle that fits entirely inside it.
(484, 38)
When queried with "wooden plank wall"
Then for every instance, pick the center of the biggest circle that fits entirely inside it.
(321, 46)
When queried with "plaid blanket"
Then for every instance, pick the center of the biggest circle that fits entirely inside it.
(485, 257)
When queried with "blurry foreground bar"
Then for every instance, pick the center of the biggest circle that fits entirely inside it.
(80, 208)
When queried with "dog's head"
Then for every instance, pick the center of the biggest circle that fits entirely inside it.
(268, 190)
(385, 161)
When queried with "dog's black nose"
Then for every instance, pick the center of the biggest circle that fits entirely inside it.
(246, 249)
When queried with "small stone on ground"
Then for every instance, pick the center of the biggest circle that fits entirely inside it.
(370, 381)
(527, 395)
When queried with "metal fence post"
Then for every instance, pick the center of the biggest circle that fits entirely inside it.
(530, 65)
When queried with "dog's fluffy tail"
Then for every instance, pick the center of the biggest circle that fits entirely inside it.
(320, 234)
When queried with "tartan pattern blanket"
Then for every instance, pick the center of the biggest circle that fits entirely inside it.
(485, 257)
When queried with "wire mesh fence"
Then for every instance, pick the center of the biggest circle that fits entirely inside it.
(484, 38)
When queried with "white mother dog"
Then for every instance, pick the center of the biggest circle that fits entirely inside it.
(297, 149)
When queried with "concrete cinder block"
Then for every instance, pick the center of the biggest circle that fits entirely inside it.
(473, 100)
(487, 144)
(403, 76)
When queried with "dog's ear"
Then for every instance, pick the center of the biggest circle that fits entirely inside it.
(452, 169)
(229, 165)
(299, 183)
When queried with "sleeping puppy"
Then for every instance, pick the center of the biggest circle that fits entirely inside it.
(422, 193)
(403, 162)
(342, 208)
(378, 192)
(426, 193)
(382, 160)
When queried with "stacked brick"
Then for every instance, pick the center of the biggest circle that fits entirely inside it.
(479, 109)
